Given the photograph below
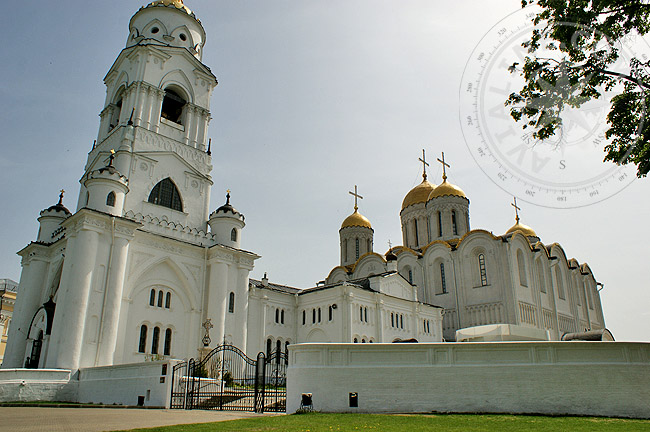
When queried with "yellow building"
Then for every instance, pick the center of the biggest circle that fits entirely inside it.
(7, 301)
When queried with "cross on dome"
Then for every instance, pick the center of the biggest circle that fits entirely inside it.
(356, 196)
(514, 204)
(61, 196)
(425, 164)
(444, 164)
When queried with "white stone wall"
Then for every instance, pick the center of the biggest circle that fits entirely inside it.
(576, 378)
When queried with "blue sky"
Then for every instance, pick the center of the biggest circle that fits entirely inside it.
(313, 98)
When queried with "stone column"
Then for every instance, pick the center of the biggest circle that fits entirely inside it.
(68, 330)
(146, 109)
(217, 300)
(156, 107)
(113, 300)
(27, 302)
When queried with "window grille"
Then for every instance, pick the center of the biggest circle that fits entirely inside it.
(166, 194)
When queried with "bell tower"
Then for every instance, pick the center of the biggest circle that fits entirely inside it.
(155, 118)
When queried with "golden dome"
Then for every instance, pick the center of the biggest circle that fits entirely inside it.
(525, 229)
(418, 194)
(178, 4)
(356, 219)
(446, 189)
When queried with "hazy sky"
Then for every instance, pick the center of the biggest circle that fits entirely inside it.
(313, 98)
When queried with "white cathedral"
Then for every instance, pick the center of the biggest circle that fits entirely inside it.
(143, 270)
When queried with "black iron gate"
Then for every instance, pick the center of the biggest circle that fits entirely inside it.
(227, 379)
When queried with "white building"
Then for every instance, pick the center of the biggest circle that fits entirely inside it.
(142, 267)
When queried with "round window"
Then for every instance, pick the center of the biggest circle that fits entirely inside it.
(183, 37)
(155, 30)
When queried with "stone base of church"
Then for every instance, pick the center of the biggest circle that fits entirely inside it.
(146, 384)
(555, 378)
(501, 333)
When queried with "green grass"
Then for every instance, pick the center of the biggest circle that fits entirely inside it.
(317, 422)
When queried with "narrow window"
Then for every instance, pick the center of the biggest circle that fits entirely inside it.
(521, 265)
(152, 297)
(168, 342)
(365, 314)
(110, 199)
(155, 340)
(392, 320)
(231, 302)
(415, 230)
(166, 194)
(277, 315)
(172, 107)
(560, 286)
(424, 324)
(368, 247)
(428, 230)
(313, 316)
(160, 298)
(357, 248)
(318, 314)
(286, 353)
(428, 328)
(233, 234)
(143, 338)
(453, 222)
(330, 313)
(360, 313)
(278, 350)
(411, 276)
(304, 317)
(439, 224)
(443, 282)
(401, 321)
(168, 300)
(482, 271)
(282, 316)
(269, 344)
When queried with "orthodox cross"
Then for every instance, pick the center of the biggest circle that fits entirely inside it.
(444, 164)
(356, 196)
(390, 245)
(227, 196)
(425, 164)
(516, 209)
(61, 196)
(111, 157)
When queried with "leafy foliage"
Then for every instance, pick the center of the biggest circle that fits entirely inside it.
(574, 56)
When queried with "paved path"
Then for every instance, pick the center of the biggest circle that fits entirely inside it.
(37, 419)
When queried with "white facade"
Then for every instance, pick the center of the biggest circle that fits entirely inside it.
(142, 268)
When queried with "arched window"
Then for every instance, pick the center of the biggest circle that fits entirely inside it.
(172, 107)
(318, 314)
(278, 350)
(313, 316)
(356, 254)
(330, 313)
(365, 314)
(110, 199)
(360, 313)
(439, 224)
(155, 340)
(482, 270)
(152, 297)
(143, 339)
(282, 316)
(233, 235)
(401, 321)
(269, 344)
(231, 302)
(168, 342)
(454, 226)
(356, 340)
(521, 265)
(363, 341)
(277, 315)
(558, 282)
(117, 110)
(415, 231)
(443, 281)
(411, 276)
(392, 319)
(166, 194)
(540, 276)
(304, 317)
(168, 300)
(160, 298)
(286, 352)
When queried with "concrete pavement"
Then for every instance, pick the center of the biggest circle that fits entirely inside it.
(37, 419)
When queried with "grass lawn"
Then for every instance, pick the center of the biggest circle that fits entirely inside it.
(407, 423)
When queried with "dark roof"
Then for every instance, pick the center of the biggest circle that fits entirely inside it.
(59, 207)
(274, 287)
(228, 208)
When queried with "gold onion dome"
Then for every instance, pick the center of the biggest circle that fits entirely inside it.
(178, 4)
(446, 189)
(525, 229)
(356, 219)
(418, 194)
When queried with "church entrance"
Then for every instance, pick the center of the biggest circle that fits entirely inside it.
(227, 379)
